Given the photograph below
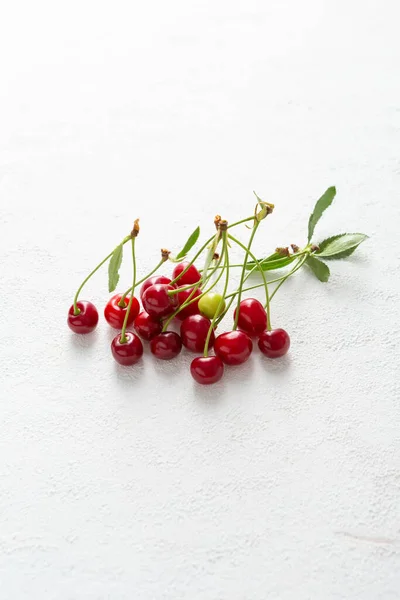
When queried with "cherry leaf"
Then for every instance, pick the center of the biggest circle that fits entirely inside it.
(271, 263)
(192, 239)
(322, 204)
(113, 268)
(319, 268)
(340, 246)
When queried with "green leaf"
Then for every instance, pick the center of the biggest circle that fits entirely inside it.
(340, 246)
(268, 264)
(192, 239)
(113, 268)
(320, 269)
(321, 205)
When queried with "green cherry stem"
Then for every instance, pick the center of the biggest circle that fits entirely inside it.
(225, 253)
(298, 266)
(84, 282)
(190, 300)
(123, 339)
(257, 264)
(121, 303)
(205, 246)
(232, 296)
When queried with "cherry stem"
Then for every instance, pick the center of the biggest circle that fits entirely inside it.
(84, 282)
(225, 253)
(205, 246)
(123, 338)
(190, 300)
(257, 264)
(203, 280)
(298, 266)
(232, 296)
(121, 303)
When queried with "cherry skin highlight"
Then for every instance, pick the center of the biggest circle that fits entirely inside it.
(166, 345)
(233, 348)
(86, 320)
(190, 277)
(207, 369)
(115, 314)
(252, 317)
(152, 281)
(274, 343)
(194, 331)
(190, 309)
(156, 301)
(129, 352)
(146, 326)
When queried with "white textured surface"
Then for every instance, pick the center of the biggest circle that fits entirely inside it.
(283, 481)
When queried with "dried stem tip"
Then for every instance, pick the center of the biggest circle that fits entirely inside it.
(217, 221)
(216, 256)
(282, 251)
(315, 248)
(295, 248)
(222, 225)
(165, 254)
(136, 228)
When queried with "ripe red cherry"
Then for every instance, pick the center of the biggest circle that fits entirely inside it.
(190, 309)
(152, 281)
(233, 348)
(115, 314)
(86, 320)
(274, 343)
(166, 345)
(207, 370)
(129, 352)
(252, 317)
(156, 301)
(194, 330)
(191, 276)
(146, 326)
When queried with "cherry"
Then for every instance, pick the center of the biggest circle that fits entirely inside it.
(129, 352)
(166, 345)
(146, 326)
(152, 281)
(274, 343)
(207, 369)
(156, 301)
(86, 320)
(252, 317)
(115, 314)
(190, 309)
(191, 276)
(194, 331)
(208, 305)
(233, 348)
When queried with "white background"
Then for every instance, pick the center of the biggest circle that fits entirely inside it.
(283, 480)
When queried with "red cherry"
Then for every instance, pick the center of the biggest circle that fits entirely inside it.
(190, 309)
(86, 320)
(252, 317)
(129, 352)
(191, 276)
(233, 348)
(115, 314)
(194, 330)
(274, 343)
(156, 301)
(146, 326)
(166, 345)
(207, 370)
(152, 281)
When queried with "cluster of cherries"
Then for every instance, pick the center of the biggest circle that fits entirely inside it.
(181, 296)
